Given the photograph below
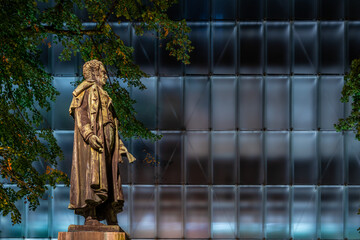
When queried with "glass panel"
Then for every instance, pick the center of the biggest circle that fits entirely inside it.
(332, 9)
(305, 39)
(304, 103)
(331, 109)
(251, 48)
(38, 221)
(143, 169)
(353, 158)
(168, 65)
(223, 214)
(123, 31)
(200, 39)
(143, 222)
(277, 212)
(171, 164)
(332, 47)
(176, 11)
(353, 51)
(251, 158)
(197, 212)
(63, 68)
(224, 47)
(278, 48)
(250, 215)
(197, 10)
(277, 158)
(278, 9)
(197, 103)
(305, 9)
(145, 105)
(65, 141)
(124, 216)
(277, 103)
(223, 108)
(304, 157)
(45, 57)
(250, 103)
(352, 220)
(170, 212)
(62, 217)
(197, 158)
(353, 9)
(125, 167)
(251, 9)
(7, 230)
(331, 158)
(144, 51)
(331, 213)
(62, 119)
(223, 9)
(224, 157)
(170, 103)
(304, 211)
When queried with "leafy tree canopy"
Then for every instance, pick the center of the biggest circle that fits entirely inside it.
(26, 139)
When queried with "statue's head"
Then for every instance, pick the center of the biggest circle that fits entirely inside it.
(94, 70)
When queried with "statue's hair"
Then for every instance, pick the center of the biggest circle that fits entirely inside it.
(91, 68)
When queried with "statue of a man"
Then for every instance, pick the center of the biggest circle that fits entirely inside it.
(96, 191)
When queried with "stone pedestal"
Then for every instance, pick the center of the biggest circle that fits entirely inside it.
(92, 236)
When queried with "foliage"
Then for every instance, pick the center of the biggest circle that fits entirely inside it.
(351, 92)
(26, 139)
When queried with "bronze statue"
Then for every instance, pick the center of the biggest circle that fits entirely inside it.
(96, 191)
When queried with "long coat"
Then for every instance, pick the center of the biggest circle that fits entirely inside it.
(95, 177)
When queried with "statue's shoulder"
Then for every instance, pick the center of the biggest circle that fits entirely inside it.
(83, 87)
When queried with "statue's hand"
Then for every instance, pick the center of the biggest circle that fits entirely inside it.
(96, 143)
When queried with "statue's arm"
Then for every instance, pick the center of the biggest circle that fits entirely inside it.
(82, 120)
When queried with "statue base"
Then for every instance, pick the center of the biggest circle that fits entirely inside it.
(91, 232)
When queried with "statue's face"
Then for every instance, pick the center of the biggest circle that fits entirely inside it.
(102, 76)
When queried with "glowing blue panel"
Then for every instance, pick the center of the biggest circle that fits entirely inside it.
(331, 212)
(250, 103)
(251, 41)
(223, 9)
(168, 65)
(278, 9)
(143, 169)
(61, 118)
(353, 9)
(63, 68)
(223, 222)
(250, 217)
(352, 220)
(277, 158)
(224, 157)
(170, 158)
(197, 158)
(200, 39)
(331, 109)
(123, 30)
(124, 216)
(304, 157)
(224, 48)
(197, 10)
(144, 51)
(305, 9)
(145, 105)
(65, 141)
(332, 9)
(277, 212)
(251, 160)
(170, 215)
(332, 47)
(353, 51)
(197, 103)
(305, 38)
(143, 222)
(170, 109)
(62, 216)
(251, 9)
(223, 103)
(331, 158)
(277, 103)
(197, 213)
(278, 48)
(353, 158)
(38, 221)
(304, 212)
(304, 103)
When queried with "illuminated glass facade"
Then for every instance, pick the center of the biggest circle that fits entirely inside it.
(249, 148)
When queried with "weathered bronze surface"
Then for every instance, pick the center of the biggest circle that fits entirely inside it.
(96, 191)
